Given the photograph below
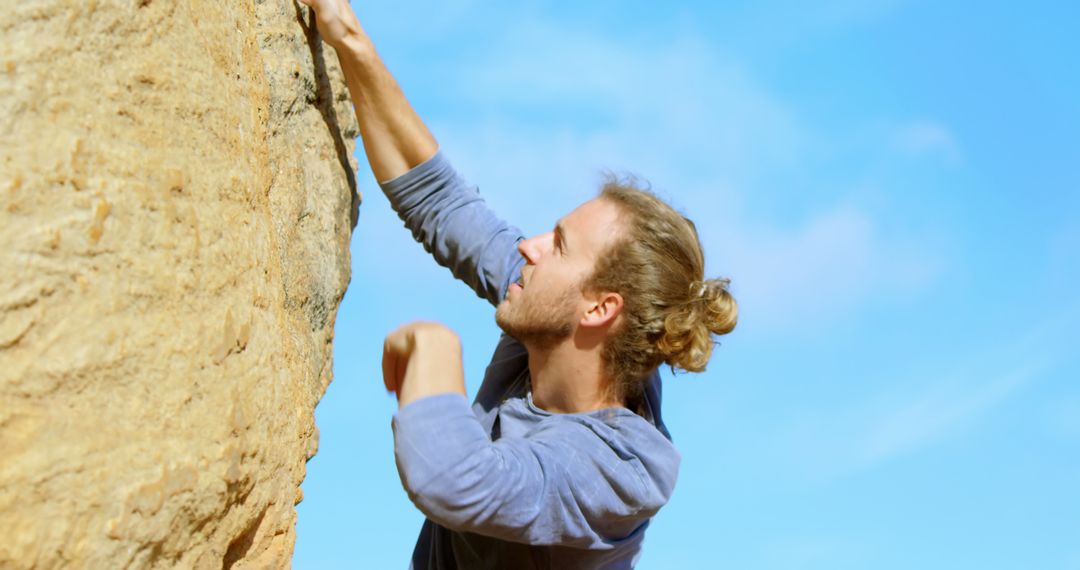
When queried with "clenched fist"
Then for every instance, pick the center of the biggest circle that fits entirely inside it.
(422, 359)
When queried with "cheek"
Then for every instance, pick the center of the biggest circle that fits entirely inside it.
(555, 279)
(547, 283)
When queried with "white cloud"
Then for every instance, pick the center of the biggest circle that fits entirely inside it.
(556, 111)
(813, 551)
(837, 14)
(927, 138)
(1064, 418)
(550, 108)
(689, 121)
(828, 265)
(441, 18)
(939, 412)
(927, 405)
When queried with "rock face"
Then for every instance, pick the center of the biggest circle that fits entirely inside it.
(176, 202)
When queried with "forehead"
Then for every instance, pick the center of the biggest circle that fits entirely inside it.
(591, 226)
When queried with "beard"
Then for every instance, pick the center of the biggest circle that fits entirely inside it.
(536, 322)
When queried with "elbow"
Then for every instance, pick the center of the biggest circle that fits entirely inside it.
(439, 506)
(447, 505)
(445, 461)
(462, 497)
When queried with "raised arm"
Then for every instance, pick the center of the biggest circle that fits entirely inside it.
(442, 210)
(395, 139)
(449, 217)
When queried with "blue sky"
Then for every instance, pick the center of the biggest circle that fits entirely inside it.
(894, 189)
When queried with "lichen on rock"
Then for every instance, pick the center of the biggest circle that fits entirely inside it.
(177, 194)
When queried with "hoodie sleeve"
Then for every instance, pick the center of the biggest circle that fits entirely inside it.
(455, 225)
(564, 484)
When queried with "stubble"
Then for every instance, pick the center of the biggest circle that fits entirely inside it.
(538, 322)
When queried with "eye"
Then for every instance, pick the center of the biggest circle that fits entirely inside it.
(558, 243)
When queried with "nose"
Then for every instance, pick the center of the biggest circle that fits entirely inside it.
(534, 248)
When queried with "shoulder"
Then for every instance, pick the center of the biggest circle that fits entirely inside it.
(618, 428)
(626, 449)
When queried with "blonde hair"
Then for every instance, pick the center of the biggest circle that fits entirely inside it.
(670, 311)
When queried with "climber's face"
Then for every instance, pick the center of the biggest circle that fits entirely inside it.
(547, 304)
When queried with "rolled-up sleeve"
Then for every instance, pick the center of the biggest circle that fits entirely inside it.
(560, 485)
(452, 221)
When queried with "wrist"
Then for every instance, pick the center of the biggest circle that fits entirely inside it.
(355, 44)
(435, 365)
(436, 338)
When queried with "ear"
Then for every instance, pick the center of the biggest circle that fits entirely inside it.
(603, 310)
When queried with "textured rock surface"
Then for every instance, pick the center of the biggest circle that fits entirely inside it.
(176, 201)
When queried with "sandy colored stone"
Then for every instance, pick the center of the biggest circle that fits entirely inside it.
(176, 202)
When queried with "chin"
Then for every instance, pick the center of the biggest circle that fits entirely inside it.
(502, 315)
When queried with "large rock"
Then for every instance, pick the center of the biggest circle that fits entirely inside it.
(176, 201)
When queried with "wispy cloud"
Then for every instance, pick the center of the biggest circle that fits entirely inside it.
(939, 412)
(1073, 561)
(813, 551)
(934, 402)
(550, 113)
(927, 139)
(1064, 418)
(827, 266)
(696, 124)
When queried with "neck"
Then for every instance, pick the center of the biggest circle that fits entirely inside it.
(568, 379)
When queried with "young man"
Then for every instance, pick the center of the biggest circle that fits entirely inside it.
(563, 457)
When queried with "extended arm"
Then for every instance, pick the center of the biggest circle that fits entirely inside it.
(395, 139)
(442, 210)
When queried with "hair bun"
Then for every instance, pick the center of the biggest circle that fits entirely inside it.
(709, 310)
(722, 312)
